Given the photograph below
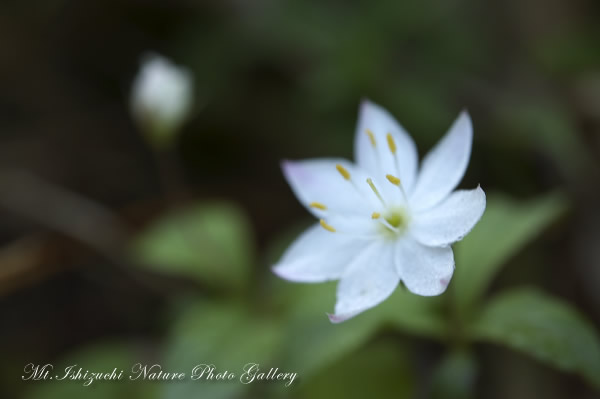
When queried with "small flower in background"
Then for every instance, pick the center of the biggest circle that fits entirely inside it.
(161, 98)
(381, 220)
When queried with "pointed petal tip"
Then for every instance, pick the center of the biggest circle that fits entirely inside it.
(286, 275)
(430, 272)
(296, 172)
(464, 114)
(481, 192)
(465, 117)
(291, 272)
(285, 163)
(336, 319)
(479, 188)
(463, 123)
(444, 282)
(432, 290)
(276, 270)
(288, 167)
(369, 107)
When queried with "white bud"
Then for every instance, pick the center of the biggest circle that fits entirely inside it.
(161, 98)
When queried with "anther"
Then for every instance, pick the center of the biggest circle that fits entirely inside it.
(371, 137)
(393, 179)
(375, 215)
(326, 226)
(317, 205)
(343, 171)
(391, 143)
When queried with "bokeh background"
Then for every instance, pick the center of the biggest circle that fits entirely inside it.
(114, 252)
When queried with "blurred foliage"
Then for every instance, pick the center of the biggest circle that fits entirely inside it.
(210, 242)
(506, 226)
(343, 360)
(547, 125)
(455, 376)
(101, 357)
(227, 337)
(375, 370)
(544, 327)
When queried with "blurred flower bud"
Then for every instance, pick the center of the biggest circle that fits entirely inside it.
(161, 99)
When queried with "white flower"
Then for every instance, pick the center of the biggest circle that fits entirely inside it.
(161, 97)
(382, 220)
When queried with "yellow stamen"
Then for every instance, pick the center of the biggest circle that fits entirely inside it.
(343, 171)
(317, 205)
(371, 137)
(375, 215)
(391, 143)
(370, 183)
(393, 179)
(326, 226)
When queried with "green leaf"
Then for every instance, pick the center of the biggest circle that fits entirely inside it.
(550, 126)
(210, 242)
(226, 336)
(103, 358)
(543, 327)
(418, 315)
(318, 343)
(375, 371)
(314, 342)
(505, 228)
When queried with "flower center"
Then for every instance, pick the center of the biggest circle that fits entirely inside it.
(397, 219)
(394, 219)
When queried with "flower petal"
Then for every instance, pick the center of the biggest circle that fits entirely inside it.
(319, 181)
(450, 220)
(367, 281)
(378, 159)
(424, 270)
(357, 226)
(318, 255)
(444, 166)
